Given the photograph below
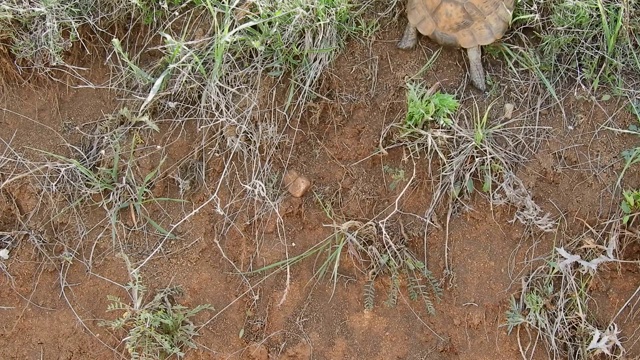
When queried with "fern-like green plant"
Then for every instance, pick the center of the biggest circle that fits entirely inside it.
(402, 264)
(369, 295)
(158, 329)
(394, 289)
(417, 273)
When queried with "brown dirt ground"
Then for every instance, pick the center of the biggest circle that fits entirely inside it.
(569, 177)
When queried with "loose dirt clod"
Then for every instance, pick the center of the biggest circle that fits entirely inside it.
(296, 184)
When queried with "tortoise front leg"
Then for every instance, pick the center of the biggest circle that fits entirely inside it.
(410, 37)
(475, 67)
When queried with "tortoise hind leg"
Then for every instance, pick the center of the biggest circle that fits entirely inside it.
(475, 67)
(410, 37)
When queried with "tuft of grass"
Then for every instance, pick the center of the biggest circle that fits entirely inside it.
(593, 42)
(478, 152)
(231, 44)
(39, 34)
(156, 329)
(106, 172)
(481, 148)
(428, 106)
(555, 306)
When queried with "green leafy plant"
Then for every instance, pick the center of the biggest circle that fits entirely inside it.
(630, 205)
(426, 106)
(157, 329)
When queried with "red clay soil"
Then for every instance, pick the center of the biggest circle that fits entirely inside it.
(289, 315)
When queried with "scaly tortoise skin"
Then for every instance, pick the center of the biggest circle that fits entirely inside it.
(465, 23)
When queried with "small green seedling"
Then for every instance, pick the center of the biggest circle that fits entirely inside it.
(630, 205)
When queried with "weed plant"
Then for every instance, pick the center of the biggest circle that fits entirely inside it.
(475, 152)
(555, 303)
(156, 329)
(105, 172)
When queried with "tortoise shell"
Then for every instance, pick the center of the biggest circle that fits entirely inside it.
(464, 23)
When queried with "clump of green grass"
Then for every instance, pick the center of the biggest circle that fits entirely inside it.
(234, 44)
(156, 329)
(39, 33)
(281, 24)
(428, 106)
(593, 42)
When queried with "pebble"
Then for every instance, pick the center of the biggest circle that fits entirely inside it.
(296, 184)
(508, 111)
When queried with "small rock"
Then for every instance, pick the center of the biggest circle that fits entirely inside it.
(299, 187)
(296, 184)
(508, 111)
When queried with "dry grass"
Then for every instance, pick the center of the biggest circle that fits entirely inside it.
(237, 75)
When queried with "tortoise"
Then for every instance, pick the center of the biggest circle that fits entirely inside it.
(465, 23)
